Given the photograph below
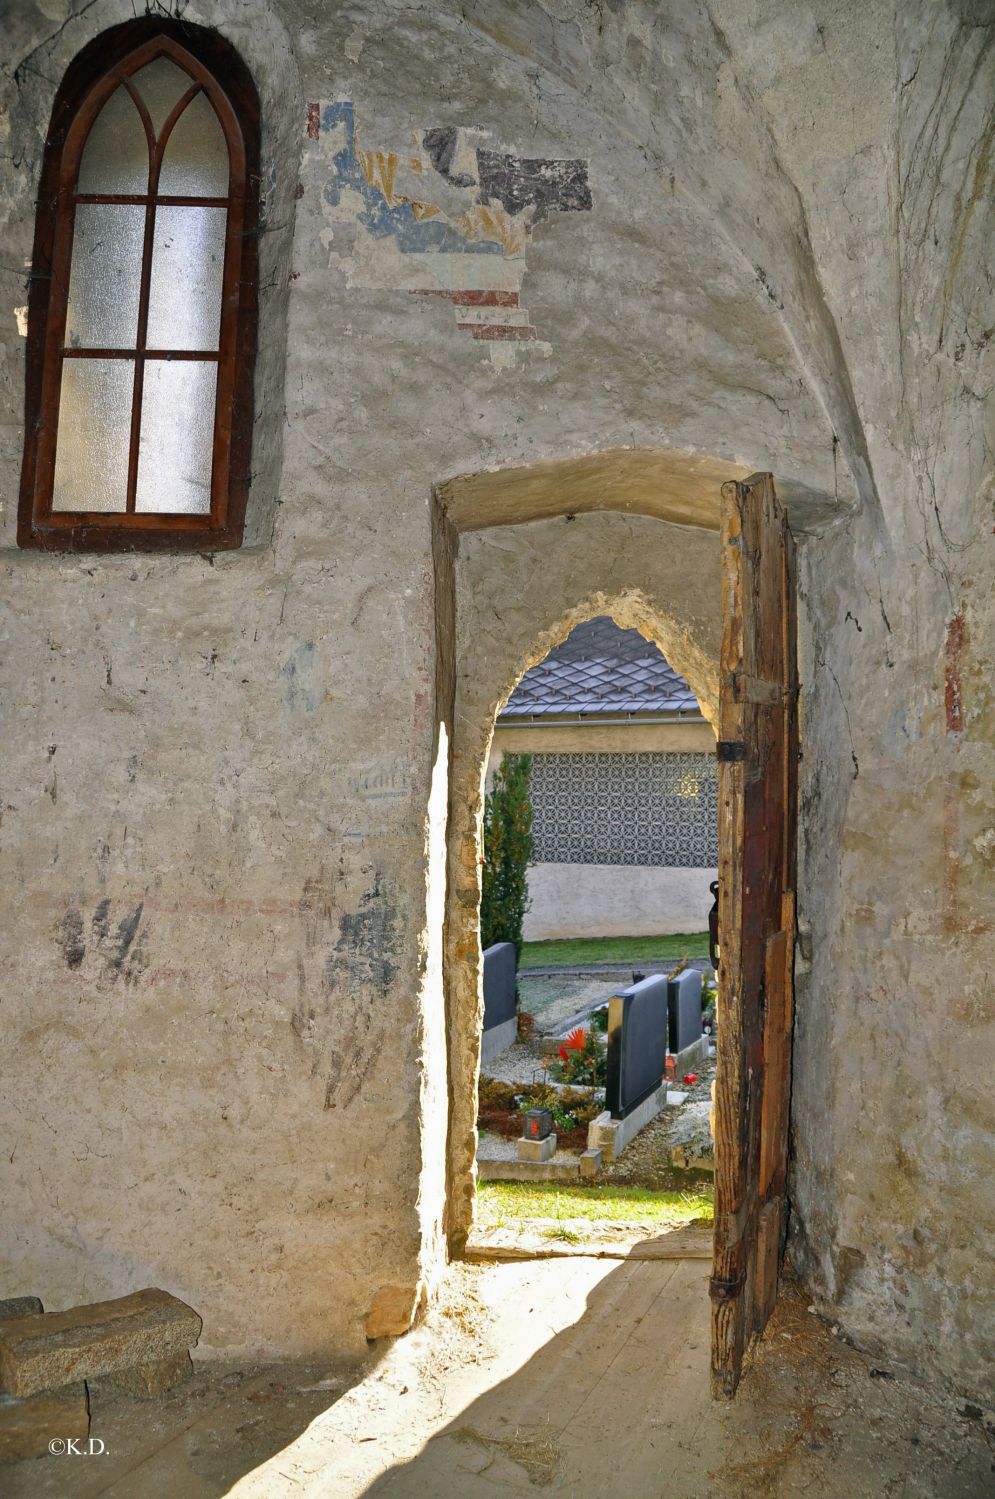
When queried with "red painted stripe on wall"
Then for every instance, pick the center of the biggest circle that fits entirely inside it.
(313, 121)
(469, 298)
(496, 330)
(954, 692)
(486, 299)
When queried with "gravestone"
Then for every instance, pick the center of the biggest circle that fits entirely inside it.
(637, 1044)
(500, 999)
(499, 984)
(684, 1010)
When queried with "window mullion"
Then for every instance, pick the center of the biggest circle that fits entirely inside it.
(143, 321)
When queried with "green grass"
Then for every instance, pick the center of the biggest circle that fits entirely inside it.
(504, 1204)
(566, 1235)
(575, 952)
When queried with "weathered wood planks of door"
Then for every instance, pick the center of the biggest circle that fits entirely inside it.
(758, 763)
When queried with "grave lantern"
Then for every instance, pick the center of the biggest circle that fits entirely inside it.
(537, 1124)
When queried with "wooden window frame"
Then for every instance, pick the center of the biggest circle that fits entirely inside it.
(92, 77)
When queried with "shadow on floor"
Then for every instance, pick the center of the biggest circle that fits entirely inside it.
(594, 1410)
(618, 1404)
(568, 1376)
(194, 1442)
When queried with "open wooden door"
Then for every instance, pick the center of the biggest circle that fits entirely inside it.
(758, 760)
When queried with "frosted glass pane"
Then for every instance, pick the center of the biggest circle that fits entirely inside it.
(195, 161)
(177, 441)
(105, 279)
(116, 155)
(187, 262)
(161, 85)
(91, 456)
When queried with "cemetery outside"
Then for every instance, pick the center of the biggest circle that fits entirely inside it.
(661, 1178)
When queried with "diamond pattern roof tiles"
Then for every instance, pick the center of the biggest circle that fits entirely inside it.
(601, 668)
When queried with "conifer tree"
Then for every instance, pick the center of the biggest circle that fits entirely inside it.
(508, 851)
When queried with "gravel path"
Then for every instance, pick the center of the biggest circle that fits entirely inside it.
(616, 969)
(555, 1000)
(561, 997)
(647, 1161)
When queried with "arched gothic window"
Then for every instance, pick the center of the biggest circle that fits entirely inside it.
(142, 311)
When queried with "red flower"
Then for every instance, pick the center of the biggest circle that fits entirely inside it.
(576, 1041)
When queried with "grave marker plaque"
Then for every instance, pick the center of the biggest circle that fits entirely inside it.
(684, 1010)
(500, 970)
(637, 1044)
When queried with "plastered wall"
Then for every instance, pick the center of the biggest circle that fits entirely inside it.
(615, 900)
(758, 237)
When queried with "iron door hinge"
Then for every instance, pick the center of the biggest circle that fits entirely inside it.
(726, 1290)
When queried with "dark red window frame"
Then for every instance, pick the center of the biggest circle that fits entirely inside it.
(89, 82)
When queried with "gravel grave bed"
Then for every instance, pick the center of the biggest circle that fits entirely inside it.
(521, 1063)
(647, 1162)
(497, 1148)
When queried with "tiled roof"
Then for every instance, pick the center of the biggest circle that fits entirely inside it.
(600, 669)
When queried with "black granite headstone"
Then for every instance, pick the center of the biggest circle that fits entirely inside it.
(684, 1009)
(637, 1044)
(500, 974)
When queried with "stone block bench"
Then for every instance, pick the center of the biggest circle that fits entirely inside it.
(139, 1343)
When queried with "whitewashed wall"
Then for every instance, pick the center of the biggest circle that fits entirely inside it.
(615, 900)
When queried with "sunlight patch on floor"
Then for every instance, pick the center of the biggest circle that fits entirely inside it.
(427, 1380)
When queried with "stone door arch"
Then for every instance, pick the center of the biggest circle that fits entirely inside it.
(508, 591)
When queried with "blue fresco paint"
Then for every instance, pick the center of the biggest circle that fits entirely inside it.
(379, 217)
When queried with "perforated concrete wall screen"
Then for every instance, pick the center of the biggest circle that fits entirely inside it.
(641, 809)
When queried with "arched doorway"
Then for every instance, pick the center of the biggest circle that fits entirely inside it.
(517, 566)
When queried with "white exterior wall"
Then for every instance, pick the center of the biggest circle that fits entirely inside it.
(607, 738)
(615, 900)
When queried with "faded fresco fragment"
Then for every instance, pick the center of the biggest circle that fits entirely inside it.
(444, 219)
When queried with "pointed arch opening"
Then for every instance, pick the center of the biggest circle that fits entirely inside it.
(518, 589)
